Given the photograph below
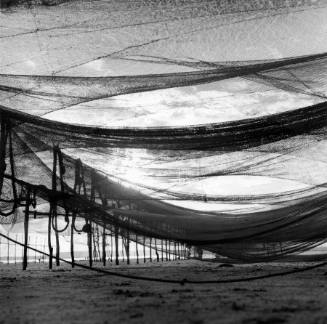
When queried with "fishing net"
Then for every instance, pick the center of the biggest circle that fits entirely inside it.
(190, 101)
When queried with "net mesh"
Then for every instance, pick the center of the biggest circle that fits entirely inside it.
(147, 182)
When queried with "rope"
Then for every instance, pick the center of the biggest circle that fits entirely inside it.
(174, 281)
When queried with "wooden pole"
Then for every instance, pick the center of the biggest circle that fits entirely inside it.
(122, 247)
(144, 257)
(57, 240)
(116, 246)
(175, 254)
(162, 251)
(156, 249)
(104, 256)
(137, 251)
(128, 248)
(89, 242)
(150, 249)
(169, 254)
(111, 245)
(72, 255)
(3, 144)
(8, 248)
(179, 250)
(26, 220)
(16, 250)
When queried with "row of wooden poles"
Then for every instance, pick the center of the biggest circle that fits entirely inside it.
(16, 255)
(168, 251)
(159, 249)
(162, 248)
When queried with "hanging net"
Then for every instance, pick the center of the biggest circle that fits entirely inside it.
(198, 123)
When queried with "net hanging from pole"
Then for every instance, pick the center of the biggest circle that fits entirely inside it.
(165, 182)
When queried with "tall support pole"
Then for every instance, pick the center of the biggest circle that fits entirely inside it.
(169, 254)
(104, 256)
(150, 249)
(156, 249)
(111, 245)
(49, 240)
(57, 242)
(3, 144)
(175, 251)
(72, 255)
(94, 237)
(179, 250)
(26, 220)
(122, 247)
(16, 238)
(51, 210)
(144, 256)
(116, 245)
(128, 237)
(137, 250)
(166, 250)
(128, 247)
(162, 251)
(8, 250)
(89, 242)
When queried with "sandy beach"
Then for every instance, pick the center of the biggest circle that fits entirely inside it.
(64, 295)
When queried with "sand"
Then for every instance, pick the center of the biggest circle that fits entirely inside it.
(81, 296)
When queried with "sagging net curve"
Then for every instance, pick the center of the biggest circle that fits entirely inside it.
(39, 159)
(294, 220)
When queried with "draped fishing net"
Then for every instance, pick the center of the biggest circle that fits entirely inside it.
(196, 103)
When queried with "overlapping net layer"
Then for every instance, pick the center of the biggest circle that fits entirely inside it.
(168, 182)
(44, 94)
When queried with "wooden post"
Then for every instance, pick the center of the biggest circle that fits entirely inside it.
(169, 254)
(16, 249)
(175, 251)
(137, 251)
(26, 220)
(166, 250)
(156, 249)
(57, 240)
(52, 205)
(94, 233)
(72, 239)
(49, 240)
(122, 247)
(111, 245)
(150, 249)
(128, 248)
(179, 250)
(144, 258)
(162, 251)
(89, 242)
(3, 144)
(116, 245)
(104, 257)
(8, 248)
